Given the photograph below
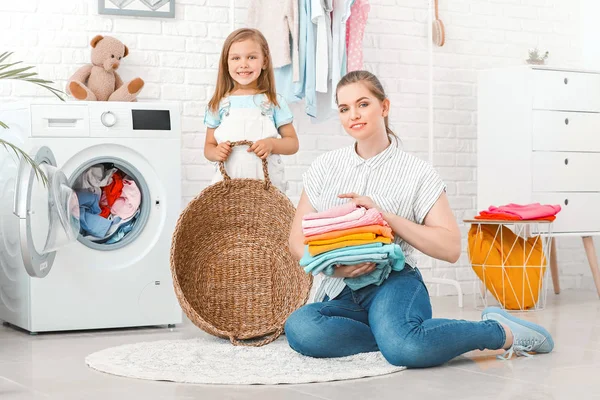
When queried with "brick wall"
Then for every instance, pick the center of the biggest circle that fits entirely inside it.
(178, 57)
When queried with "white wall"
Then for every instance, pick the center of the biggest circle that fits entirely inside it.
(177, 58)
(590, 31)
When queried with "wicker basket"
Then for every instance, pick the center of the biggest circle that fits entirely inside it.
(232, 270)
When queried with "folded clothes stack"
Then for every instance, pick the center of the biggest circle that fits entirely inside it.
(350, 235)
(521, 212)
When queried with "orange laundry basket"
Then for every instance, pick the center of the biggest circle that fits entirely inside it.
(511, 267)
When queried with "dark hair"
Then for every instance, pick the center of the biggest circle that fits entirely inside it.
(374, 86)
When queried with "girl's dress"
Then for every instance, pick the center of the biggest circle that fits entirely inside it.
(249, 117)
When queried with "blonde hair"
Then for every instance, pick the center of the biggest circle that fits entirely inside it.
(225, 83)
(374, 86)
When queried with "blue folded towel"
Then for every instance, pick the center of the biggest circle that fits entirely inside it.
(387, 257)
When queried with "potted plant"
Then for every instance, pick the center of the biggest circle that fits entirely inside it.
(535, 57)
(10, 70)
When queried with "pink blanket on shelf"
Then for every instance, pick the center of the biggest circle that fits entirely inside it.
(527, 211)
(371, 217)
(333, 212)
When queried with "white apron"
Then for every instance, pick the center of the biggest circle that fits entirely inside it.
(248, 124)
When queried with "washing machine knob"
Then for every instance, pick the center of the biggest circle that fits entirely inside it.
(108, 118)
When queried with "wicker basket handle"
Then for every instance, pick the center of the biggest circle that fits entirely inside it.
(268, 339)
(265, 164)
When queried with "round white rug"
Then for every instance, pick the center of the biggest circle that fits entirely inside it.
(210, 360)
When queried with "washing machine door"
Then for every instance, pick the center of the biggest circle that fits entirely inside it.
(48, 212)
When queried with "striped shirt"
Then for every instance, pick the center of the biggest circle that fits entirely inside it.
(396, 181)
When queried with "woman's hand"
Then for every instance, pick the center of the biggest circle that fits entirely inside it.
(353, 271)
(361, 201)
(262, 147)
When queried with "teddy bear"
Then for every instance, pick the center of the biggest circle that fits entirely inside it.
(99, 80)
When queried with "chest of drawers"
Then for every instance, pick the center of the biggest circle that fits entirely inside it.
(538, 140)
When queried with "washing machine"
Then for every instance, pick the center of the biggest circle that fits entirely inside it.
(53, 276)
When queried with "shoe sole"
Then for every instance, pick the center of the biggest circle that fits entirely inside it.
(530, 325)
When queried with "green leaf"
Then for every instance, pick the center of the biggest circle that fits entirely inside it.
(4, 66)
(39, 81)
(39, 174)
(23, 75)
(3, 125)
(14, 72)
(5, 55)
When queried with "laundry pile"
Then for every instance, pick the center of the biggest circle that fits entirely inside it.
(313, 44)
(521, 212)
(350, 235)
(109, 203)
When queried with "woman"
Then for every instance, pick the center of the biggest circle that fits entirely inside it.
(394, 317)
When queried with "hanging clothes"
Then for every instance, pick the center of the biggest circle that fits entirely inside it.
(284, 84)
(355, 30)
(277, 20)
(341, 13)
(321, 17)
(305, 87)
(326, 43)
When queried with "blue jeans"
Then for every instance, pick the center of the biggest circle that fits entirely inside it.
(394, 318)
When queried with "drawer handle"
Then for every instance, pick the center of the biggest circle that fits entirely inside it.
(566, 161)
(566, 202)
(566, 81)
(62, 122)
(566, 121)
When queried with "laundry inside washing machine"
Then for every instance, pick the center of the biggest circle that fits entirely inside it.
(110, 200)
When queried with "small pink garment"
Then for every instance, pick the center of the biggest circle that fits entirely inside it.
(371, 217)
(527, 211)
(129, 202)
(355, 30)
(103, 200)
(333, 212)
(353, 216)
(74, 205)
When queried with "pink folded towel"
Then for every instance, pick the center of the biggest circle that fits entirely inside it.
(333, 212)
(527, 211)
(353, 216)
(371, 217)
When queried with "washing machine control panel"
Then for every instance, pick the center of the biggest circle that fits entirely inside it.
(106, 119)
(135, 119)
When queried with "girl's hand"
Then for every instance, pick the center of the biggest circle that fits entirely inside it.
(222, 151)
(361, 201)
(262, 148)
(353, 271)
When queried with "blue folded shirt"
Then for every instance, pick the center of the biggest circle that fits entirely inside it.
(387, 257)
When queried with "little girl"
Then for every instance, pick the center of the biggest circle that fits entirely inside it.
(245, 106)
